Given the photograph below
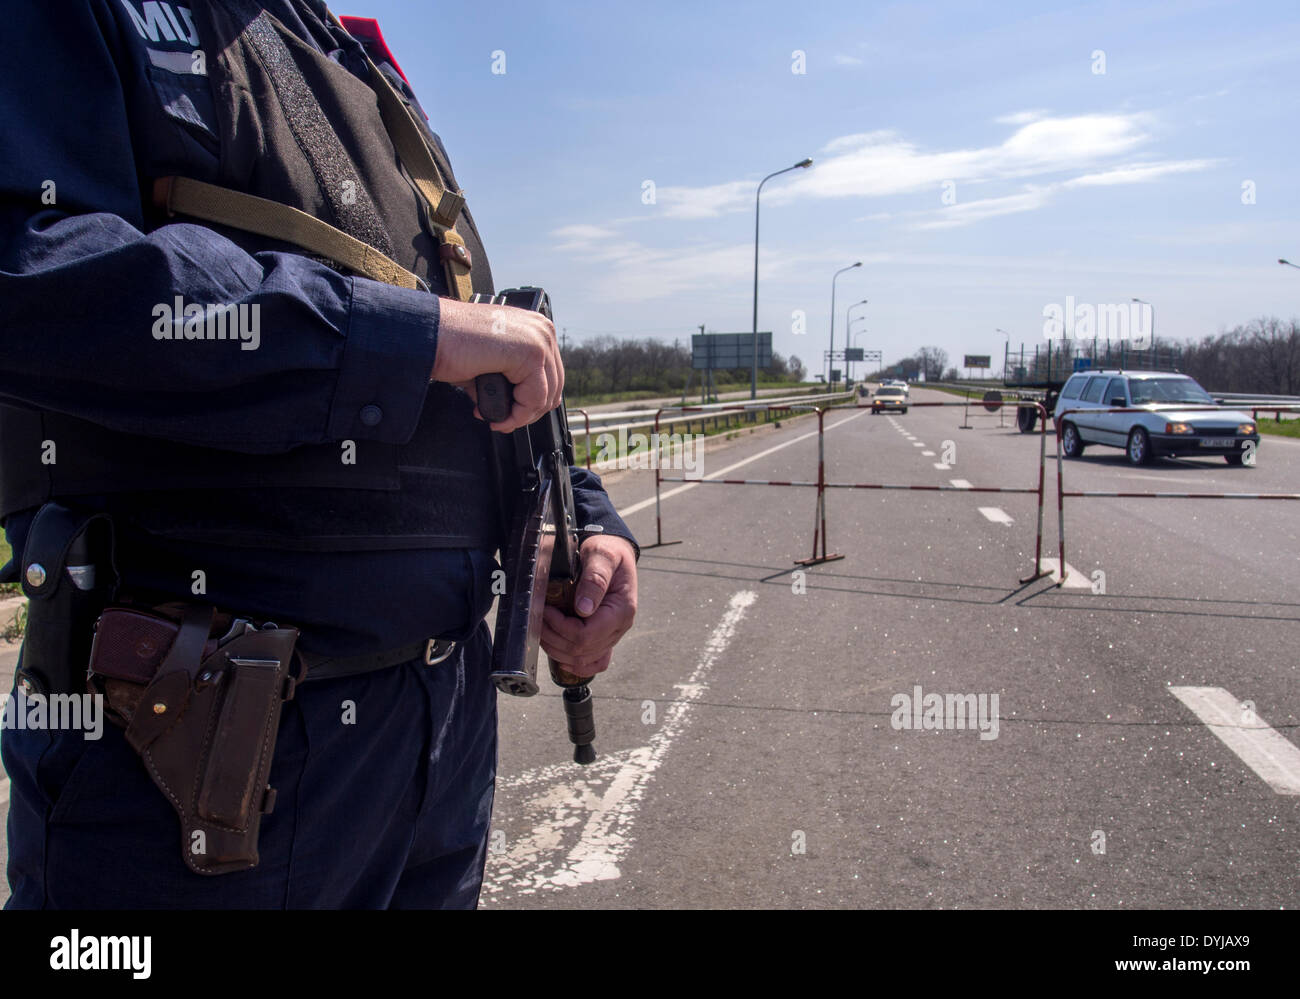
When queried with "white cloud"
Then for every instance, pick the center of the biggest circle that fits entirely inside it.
(1138, 173)
(1020, 117)
(964, 213)
(846, 60)
(883, 163)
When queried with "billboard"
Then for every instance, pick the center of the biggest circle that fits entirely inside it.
(729, 350)
(978, 361)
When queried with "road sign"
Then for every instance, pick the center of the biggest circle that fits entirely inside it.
(992, 400)
(835, 375)
(1082, 363)
(853, 354)
(978, 361)
(729, 350)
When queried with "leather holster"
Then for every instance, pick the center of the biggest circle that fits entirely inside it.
(203, 714)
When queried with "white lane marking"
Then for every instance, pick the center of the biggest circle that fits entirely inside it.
(602, 805)
(996, 514)
(1074, 579)
(961, 483)
(1273, 757)
(941, 466)
(638, 507)
(918, 444)
(929, 454)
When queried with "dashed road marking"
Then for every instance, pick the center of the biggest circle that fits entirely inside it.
(995, 513)
(599, 802)
(941, 466)
(1074, 579)
(961, 483)
(1273, 757)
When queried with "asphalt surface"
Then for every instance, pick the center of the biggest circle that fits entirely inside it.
(750, 745)
(770, 773)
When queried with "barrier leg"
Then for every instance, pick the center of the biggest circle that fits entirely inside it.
(819, 517)
(1037, 571)
(659, 523)
(1060, 512)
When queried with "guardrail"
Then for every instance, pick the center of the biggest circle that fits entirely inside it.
(703, 413)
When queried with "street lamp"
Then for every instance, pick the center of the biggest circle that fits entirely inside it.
(847, 311)
(1156, 362)
(753, 375)
(831, 359)
(1287, 263)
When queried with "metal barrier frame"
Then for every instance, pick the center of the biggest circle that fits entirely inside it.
(819, 518)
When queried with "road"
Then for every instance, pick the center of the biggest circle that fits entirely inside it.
(748, 755)
(751, 739)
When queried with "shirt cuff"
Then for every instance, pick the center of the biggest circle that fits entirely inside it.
(387, 363)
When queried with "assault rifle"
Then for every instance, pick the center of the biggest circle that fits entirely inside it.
(542, 563)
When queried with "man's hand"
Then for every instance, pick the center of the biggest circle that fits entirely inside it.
(605, 602)
(478, 340)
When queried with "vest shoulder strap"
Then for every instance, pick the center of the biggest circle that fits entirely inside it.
(275, 220)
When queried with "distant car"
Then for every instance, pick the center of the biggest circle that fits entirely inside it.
(1164, 430)
(889, 397)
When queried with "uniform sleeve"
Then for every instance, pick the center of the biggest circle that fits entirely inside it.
(593, 506)
(87, 296)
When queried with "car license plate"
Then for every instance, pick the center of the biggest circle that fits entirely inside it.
(1218, 441)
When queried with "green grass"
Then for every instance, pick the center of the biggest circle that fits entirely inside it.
(6, 553)
(1287, 428)
(731, 424)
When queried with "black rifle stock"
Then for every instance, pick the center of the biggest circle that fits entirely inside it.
(542, 563)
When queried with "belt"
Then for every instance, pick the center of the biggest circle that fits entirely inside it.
(432, 651)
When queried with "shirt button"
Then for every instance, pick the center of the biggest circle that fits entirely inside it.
(371, 415)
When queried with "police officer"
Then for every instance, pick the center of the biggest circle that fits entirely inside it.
(322, 466)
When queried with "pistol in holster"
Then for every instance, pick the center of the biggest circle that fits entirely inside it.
(203, 712)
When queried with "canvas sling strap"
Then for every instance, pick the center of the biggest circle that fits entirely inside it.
(240, 210)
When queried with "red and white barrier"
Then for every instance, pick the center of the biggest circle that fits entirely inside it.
(821, 485)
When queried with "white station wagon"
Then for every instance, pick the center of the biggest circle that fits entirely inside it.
(1164, 430)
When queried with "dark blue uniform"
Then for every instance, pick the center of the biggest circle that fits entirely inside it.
(385, 779)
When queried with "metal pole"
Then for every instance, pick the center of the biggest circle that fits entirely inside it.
(831, 362)
(753, 374)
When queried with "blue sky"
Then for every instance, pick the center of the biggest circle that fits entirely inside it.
(1060, 180)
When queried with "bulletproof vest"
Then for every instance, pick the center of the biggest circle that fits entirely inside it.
(437, 491)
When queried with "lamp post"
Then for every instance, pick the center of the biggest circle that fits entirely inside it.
(1006, 350)
(1287, 263)
(847, 311)
(753, 375)
(1156, 362)
(830, 361)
